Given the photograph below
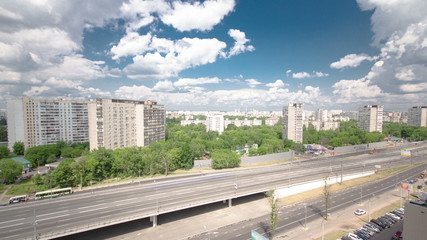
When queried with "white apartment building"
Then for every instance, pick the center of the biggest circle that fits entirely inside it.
(244, 122)
(371, 118)
(293, 122)
(321, 115)
(215, 122)
(40, 122)
(320, 125)
(417, 116)
(271, 121)
(192, 121)
(116, 123)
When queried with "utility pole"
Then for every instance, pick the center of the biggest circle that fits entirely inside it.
(341, 171)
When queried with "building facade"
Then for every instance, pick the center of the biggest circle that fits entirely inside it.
(215, 122)
(371, 118)
(417, 116)
(116, 123)
(40, 122)
(293, 122)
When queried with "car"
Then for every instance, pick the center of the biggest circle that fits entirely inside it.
(397, 214)
(361, 235)
(353, 236)
(412, 181)
(360, 212)
(346, 238)
(398, 234)
(379, 223)
(390, 218)
(385, 222)
(367, 231)
(393, 216)
(371, 228)
(374, 225)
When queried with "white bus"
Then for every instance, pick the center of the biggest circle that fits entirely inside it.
(18, 199)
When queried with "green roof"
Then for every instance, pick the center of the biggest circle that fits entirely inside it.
(26, 164)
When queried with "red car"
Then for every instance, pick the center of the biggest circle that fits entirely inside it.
(398, 234)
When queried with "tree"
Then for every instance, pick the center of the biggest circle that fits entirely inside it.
(18, 148)
(326, 196)
(37, 179)
(223, 158)
(4, 152)
(274, 213)
(3, 133)
(65, 175)
(9, 170)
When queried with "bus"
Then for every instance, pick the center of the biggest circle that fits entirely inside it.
(18, 199)
(53, 193)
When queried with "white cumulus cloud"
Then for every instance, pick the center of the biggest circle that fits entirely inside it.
(351, 60)
(240, 43)
(277, 84)
(197, 15)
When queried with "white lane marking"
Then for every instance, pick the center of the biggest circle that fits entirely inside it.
(12, 220)
(51, 213)
(44, 219)
(91, 210)
(125, 200)
(12, 225)
(91, 206)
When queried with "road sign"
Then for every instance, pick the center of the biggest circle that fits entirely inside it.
(257, 236)
(405, 153)
(377, 166)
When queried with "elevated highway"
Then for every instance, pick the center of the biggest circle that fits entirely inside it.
(98, 208)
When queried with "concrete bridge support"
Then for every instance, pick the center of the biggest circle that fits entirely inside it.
(153, 219)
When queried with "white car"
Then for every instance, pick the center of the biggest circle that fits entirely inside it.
(353, 236)
(359, 212)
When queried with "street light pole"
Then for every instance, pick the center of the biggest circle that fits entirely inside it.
(305, 219)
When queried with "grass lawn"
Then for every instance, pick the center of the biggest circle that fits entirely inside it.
(2, 188)
(25, 187)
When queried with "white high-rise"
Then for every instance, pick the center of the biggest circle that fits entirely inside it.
(40, 122)
(417, 116)
(215, 122)
(116, 123)
(293, 122)
(371, 118)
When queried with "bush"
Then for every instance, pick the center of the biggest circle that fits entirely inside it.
(223, 158)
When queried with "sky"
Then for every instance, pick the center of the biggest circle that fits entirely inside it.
(217, 54)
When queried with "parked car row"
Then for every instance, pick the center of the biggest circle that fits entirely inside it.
(376, 225)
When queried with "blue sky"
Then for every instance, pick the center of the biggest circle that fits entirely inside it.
(217, 54)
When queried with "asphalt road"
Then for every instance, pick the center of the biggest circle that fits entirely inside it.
(103, 207)
(294, 216)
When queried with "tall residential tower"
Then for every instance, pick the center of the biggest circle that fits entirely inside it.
(40, 122)
(371, 118)
(293, 122)
(417, 116)
(116, 123)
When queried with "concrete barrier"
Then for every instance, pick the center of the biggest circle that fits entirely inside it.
(298, 188)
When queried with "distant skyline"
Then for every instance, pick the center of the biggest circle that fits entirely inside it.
(217, 55)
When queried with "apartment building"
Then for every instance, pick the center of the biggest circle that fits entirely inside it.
(371, 118)
(192, 121)
(417, 116)
(293, 122)
(117, 123)
(215, 122)
(40, 122)
(243, 122)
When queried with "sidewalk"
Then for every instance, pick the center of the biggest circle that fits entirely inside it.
(344, 219)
